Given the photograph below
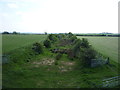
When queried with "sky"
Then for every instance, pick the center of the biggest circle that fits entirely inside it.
(59, 16)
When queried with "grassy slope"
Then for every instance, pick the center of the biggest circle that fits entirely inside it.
(28, 75)
(108, 46)
(11, 42)
(35, 75)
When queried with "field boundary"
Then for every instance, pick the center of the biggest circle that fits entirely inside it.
(110, 82)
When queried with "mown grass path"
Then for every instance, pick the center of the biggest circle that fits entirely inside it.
(108, 46)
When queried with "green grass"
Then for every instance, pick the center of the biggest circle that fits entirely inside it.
(11, 42)
(27, 75)
(108, 46)
(19, 73)
(22, 74)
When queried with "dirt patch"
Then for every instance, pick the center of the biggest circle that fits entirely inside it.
(66, 66)
(68, 63)
(45, 61)
(64, 69)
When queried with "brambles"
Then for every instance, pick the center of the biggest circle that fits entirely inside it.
(47, 43)
(37, 47)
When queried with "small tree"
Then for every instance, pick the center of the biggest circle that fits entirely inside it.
(5, 32)
(37, 47)
(45, 33)
(70, 34)
(47, 43)
(14, 32)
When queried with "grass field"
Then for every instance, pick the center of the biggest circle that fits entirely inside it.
(67, 74)
(36, 73)
(108, 46)
(11, 42)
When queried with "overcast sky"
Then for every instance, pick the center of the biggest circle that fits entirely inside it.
(59, 16)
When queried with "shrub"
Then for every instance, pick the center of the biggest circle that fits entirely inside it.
(86, 54)
(76, 47)
(70, 54)
(37, 47)
(53, 37)
(56, 63)
(70, 34)
(72, 38)
(47, 43)
(58, 56)
(84, 43)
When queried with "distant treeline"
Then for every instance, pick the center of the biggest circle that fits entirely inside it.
(14, 32)
(110, 35)
(79, 34)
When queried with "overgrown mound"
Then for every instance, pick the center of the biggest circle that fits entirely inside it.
(73, 47)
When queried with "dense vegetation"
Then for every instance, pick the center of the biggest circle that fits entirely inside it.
(108, 46)
(65, 64)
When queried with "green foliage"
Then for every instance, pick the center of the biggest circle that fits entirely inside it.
(47, 43)
(14, 32)
(5, 32)
(71, 55)
(108, 46)
(45, 33)
(73, 38)
(58, 56)
(56, 62)
(52, 37)
(86, 54)
(37, 47)
(70, 34)
(76, 48)
(35, 75)
(83, 51)
(84, 43)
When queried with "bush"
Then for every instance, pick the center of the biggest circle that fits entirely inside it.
(70, 54)
(84, 43)
(70, 34)
(86, 54)
(47, 43)
(73, 38)
(37, 47)
(76, 47)
(58, 56)
(56, 63)
(53, 37)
